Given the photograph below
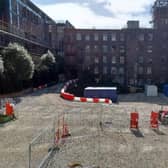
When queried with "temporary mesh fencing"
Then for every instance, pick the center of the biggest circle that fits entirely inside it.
(96, 136)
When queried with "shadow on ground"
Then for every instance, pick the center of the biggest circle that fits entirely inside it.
(142, 98)
(137, 133)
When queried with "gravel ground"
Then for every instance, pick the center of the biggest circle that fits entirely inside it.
(35, 112)
(111, 146)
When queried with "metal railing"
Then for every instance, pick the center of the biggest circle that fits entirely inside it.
(39, 148)
(13, 29)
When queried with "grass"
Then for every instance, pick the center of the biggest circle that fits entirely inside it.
(5, 118)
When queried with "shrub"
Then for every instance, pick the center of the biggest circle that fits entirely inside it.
(18, 67)
(47, 70)
(47, 59)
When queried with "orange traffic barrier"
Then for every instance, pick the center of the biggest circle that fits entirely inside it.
(134, 120)
(9, 109)
(154, 123)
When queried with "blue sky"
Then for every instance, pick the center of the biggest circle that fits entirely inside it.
(98, 13)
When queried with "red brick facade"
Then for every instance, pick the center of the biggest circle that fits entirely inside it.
(131, 56)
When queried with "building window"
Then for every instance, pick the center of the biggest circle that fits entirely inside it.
(96, 70)
(96, 60)
(105, 70)
(113, 48)
(165, 21)
(131, 81)
(140, 82)
(113, 60)
(149, 60)
(140, 59)
(163, 59)
(14, 5)
(121, 80)
(149, 71)
(105, 48)
(87, 48)
(164, 69)
(105, 37)
(121, 70)
(104, 59)
(87, 37)
(141, 37)
(95, 48)
(78, 36)
(122, 49)
(87, 59)
(150, 36)
(113, 37)
(96, 37)
(113, 70)
(140, 70)
(69, 48)
(122, 37)
(122, 60)
(149, 81)
(149, 48)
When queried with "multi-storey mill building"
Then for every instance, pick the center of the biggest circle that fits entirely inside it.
(130, 56)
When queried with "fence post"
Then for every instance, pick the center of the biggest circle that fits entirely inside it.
(54, 130)
(30, 155)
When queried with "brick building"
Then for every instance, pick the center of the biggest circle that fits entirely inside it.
(130, 56)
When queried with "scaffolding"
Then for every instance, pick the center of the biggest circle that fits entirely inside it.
(11, 33)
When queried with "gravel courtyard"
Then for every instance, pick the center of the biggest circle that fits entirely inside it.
(112, 145)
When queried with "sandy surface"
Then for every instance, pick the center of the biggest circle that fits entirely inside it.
(111, 146)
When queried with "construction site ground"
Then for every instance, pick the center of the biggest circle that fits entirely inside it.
(106, 141)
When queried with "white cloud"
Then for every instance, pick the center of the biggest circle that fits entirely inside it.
(83, 17)
(127, 6)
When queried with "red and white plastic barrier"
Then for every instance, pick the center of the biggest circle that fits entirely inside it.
(92, 100)
(71, 97)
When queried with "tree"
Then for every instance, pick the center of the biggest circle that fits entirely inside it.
(48, 59)
(46, 71)
(18, 65)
